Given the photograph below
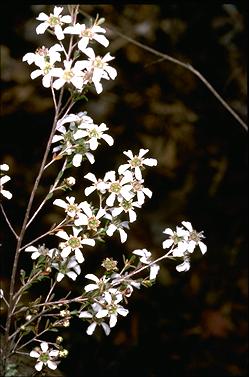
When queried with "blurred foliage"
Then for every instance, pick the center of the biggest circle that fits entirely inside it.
(187, 324)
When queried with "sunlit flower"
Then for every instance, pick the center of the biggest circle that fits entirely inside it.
(140, 191)
(126, 206)
(98, 68)
(98, 283)
(69, 268)
(98, 184)
(137, 163)
(88, 218)
(44, 356)
(194, 238)
(74, 243)
(69, 74)
(93, 133)
(41, 250)
(44, 58)
(71, 208)
(117, 226)
(120, 188)
(87, 34)
(177, 238)
(54, 21)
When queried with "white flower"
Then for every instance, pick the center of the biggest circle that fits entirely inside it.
(144, 255)
(41, 250)
(99, 283)
(98, 68)
(141, 191)
(98, 184)
(44, 58)
(120, 188)
(4, 179)
(69, 74)
(137, 163)
(65, 269)
(91, 316)
(54, 21)
(74, 243)
(88, 218)
(44, 356)
(87, 34)
(72, 209)
(194, 238)
(119, 226)
(112, 307)
(93, 133)
(176, 238)
(126, 206)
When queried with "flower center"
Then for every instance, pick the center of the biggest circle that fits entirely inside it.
(94, 133)
(136, 161)
(53, 20)
(98, 62)
(68, 75)
(93, 223)
(115, 187)
(44, 357)
(74, 242)
(126, 205)
(137, 186)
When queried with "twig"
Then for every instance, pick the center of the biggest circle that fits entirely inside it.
(8, 222)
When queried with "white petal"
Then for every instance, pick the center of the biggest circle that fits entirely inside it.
(42, 28)
(203, 247)
(34, 354)
(85, 314)
(167, 243)
(60, 276)
(102, 313)
(44, 346)
(106, 328)
(72, 275)
(132, 215)
(187, 225)
(62, 234)
(123, 235)
(60, 203)
(92, 277)
(79, 256)
(91, 287)
(183, 267)
(113, 320)
(39, 366)
(77, 160)
(150, 161)
(91, 328)
(51, 364)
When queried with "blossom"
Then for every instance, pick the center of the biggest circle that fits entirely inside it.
(94, 321)
(184, 266)
(98, 68)
(176, 238)
(126, 206)
(44, 356)
(54, 21)
(71, 208)
(69, 74)
(44, 58)
(141, 191)
(41, 250)
(74, 243)
(69, 268)
(144, 255)
(98, 283)
(98, 184)
(120, 188)
(194, 238)
(87, 34)
(137, 163)
(93, 133)
(112, 307)
(119, 226)
(88, 218)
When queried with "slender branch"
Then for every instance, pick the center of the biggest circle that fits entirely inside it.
(187, 66)
(8, 222)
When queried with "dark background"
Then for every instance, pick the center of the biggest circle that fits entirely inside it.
(192, 324)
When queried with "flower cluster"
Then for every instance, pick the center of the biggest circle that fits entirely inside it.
(57, 70)
(80, 138)
(183, 241)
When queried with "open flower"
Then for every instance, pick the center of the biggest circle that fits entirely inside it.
(88, 218)
(194, 238)
(98, 68)
(54, 21)
(137, 163)
(74, 243)
(69, 268)
(92, 133)
(41, 250)
(44, 356)
(71, 208)
(87, 34)
(69, 74)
